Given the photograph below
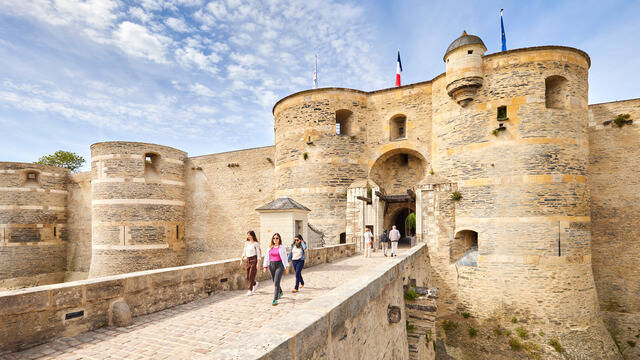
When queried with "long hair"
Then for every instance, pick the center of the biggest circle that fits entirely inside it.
(253, 235)
(301, 240)
(273, 240)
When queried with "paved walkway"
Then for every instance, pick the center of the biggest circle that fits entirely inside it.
(196, 329)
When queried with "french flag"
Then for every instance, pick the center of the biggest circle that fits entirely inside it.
(398, 70)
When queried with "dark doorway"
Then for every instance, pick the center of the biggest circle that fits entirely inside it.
(343, 238)
(399, 222)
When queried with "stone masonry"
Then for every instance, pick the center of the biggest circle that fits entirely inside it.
(548, 198)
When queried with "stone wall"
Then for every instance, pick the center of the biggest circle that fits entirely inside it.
(223, 191)
(79, 226)
(614, 160)
(353, 320)
(33, 223)
(40, 312)
(138, 207)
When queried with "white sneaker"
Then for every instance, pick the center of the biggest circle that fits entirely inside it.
(249, 293)
(255, 286)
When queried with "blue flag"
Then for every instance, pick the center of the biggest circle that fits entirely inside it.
(504, 38)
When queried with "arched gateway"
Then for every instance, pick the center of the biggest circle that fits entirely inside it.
(386, 197)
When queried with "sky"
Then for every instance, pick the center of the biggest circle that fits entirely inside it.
(203, 75)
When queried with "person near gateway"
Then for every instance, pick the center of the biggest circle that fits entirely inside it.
(297, 255)
(394, 236)
(384, 240)
(368, 243)
(251, 254)
(276, 261)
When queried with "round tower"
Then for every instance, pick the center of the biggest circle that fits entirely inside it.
(33, 220)
(138, 206)
(518, 152)
(318, 135)
(463, 59)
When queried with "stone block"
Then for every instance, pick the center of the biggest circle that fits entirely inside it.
(165, 278)
(134, 284)
(104, 289)
(24, 302)
(65, 297)
(120, 314)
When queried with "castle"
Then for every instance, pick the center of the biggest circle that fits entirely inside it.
(525, 194)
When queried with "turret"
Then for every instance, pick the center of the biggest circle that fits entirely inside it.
(464, 68)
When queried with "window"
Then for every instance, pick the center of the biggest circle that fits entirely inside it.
(464, 250)
(404, 159)
(343, 122)
(502, 113)
(151, 166)
(298, 227)
(32, 178)
(469, 52)
(556, 92)
(343, 238)
(398, 127)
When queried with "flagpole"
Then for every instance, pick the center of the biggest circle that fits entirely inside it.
(315, 74)
(503, 37)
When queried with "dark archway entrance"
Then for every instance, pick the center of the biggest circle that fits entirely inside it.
(396, 215)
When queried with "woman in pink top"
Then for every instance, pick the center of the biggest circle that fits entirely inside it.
(276, 261)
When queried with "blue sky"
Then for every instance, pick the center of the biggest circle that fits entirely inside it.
(203, 75)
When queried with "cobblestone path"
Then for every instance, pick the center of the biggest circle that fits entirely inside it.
(195, 330)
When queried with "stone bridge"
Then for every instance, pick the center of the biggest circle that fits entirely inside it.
(346, 310)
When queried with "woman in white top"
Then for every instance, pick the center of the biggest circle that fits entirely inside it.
(297, 255)
(251, 253)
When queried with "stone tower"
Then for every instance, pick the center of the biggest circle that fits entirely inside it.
(138, 207)
(463, 59)
(317, 134)
(510, 130)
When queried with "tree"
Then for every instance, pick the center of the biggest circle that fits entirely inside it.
(64, 159)
(410, 223)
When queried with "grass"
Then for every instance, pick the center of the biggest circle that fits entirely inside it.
(498, 331)
(411, 294)
(522, 333)
(495, 132)
(514, 320)
(410, 326)
(508, 332)
(541, 333)
(305, 155)
(449, 325)
(466, 315)
(556, 345)
(473, 332)
(456, 196)
(515, 344)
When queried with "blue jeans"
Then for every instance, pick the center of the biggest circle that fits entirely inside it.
(297, 266)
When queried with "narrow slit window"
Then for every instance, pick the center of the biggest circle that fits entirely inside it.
(177, 232)
(469, 52)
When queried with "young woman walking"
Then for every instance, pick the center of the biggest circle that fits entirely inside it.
(251, 254)
(276, 261)
(297, 255)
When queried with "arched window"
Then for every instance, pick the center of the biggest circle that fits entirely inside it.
(398, 127)
(151, 166)
(32, 178)
(343, 122)
(464, 250)
(556, 93)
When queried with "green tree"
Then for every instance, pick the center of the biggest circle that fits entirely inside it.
(64, 159)
(410, 223)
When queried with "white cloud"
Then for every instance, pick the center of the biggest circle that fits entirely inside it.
(137, 40)
(190, 57)
(178, 24)
(140, 14)
(201, 90)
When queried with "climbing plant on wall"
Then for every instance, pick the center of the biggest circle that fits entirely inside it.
(410, 223)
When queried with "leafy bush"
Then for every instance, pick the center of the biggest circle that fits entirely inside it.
(466, 315)
(456, 196)
(473, 332)
(556, 345)
(411, 294)
(449, 325)
(522, 333)
(515, 344)
(621, 119)
(305, 155)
